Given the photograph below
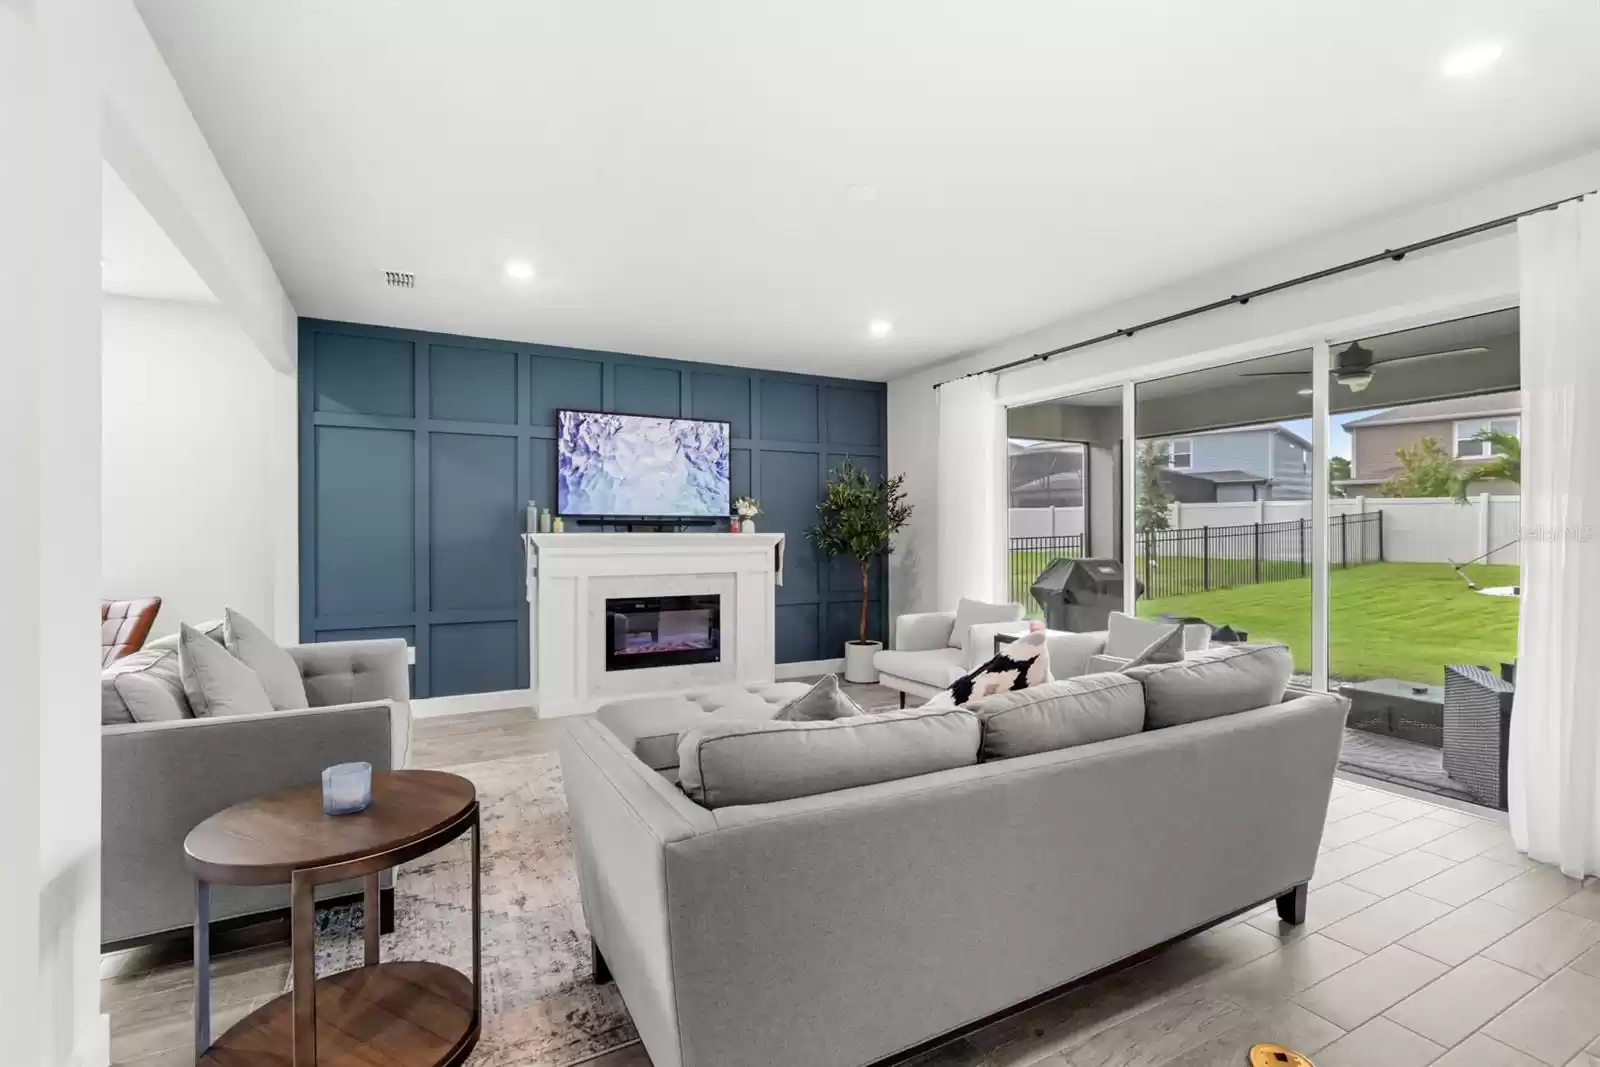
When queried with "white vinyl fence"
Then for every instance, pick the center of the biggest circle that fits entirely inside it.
(1415, 529)
(1046, 522)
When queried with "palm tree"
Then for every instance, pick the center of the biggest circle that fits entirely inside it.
(1505, 466)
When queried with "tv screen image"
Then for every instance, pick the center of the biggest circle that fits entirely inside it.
(640, 465)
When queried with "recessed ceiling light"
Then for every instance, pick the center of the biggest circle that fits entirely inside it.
(520, 269)
(880, 328)
(1474, 59)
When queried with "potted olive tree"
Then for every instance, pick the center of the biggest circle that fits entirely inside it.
(857, 517)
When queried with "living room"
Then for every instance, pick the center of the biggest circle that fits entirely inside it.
(560, 602)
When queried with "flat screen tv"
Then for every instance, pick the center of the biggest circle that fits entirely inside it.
(644, 466)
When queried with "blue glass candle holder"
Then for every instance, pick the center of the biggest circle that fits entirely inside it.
(346, 788)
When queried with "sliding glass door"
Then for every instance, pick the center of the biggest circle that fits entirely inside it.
(1065, 486)
(1222, 518)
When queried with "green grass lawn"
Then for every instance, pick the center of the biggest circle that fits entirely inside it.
(1385, 620)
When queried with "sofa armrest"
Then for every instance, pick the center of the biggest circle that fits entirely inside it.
(923, 632)
(977, 645)
(1071, 654)
(624, 816)
(340, 673)
(159, 780)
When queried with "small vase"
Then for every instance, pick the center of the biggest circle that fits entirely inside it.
(747, 526)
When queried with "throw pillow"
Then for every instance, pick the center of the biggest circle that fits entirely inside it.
(823, 701)
(279, 674)
(212, 629)
(143, 687)
(1025, 662)
(1165, 649)
(216, 683)
(970, 613)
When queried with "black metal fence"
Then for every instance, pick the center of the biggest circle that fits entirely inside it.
(1030, 555)
(1199, 559)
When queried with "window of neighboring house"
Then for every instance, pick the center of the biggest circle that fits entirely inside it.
(1467, 448)
(1180, 454)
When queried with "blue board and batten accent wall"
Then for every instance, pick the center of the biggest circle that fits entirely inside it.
(418, 452)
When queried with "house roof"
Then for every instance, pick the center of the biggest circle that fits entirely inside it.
(1229, 477)
(1464, 407)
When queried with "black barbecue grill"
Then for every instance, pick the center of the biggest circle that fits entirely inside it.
(1079, 595)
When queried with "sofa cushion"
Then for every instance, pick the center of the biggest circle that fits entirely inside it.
(1074, 711)
(823, 701)
(1024, 662)
(729, 763)
(651, 726)
(936, 667)
(143, 687)
(216, 683)
(971, 612)
(279, 673)
(1218, 681)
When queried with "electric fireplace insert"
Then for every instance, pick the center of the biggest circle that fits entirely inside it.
(663, 631)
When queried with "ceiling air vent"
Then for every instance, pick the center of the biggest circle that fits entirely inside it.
(399, 279)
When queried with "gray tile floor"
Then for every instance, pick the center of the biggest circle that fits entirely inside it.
(1430, 941)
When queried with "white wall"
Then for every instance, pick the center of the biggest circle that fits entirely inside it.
(1466, 277)
(158, 150)
(198, 447)
(49, 535)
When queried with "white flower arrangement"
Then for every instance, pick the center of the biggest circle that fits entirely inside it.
(746, 507)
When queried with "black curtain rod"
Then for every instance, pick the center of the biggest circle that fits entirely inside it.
(1395, 254)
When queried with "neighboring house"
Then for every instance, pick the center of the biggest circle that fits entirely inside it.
(1376, 438)
(1224, 466)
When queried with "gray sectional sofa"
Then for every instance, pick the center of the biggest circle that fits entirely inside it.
(161, 778)
(832, 894)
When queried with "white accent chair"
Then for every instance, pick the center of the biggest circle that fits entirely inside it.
(932, 649)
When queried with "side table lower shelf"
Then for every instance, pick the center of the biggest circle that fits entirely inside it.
(408, 1014)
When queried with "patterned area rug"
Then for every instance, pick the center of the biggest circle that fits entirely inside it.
(539, 1007)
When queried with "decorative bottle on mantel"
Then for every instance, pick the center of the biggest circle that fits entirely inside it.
(544, 521)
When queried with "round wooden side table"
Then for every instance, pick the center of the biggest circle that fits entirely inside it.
(410, 1014)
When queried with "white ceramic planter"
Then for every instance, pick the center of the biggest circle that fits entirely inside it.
(747, 526)
(858, 661)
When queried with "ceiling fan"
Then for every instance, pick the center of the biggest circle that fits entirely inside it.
(1353, 366)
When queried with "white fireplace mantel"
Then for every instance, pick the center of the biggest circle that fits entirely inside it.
(571, 575)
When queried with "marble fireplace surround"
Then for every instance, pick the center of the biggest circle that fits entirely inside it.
(571, 575)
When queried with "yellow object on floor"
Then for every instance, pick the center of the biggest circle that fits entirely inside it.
(1277, 1056)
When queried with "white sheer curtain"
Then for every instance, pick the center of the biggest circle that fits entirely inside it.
(970, 501)
(1555, 727)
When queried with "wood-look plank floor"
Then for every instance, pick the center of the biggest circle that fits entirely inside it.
(1430, 940)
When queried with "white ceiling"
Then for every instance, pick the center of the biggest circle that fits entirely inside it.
(137, 258)
(752, 182)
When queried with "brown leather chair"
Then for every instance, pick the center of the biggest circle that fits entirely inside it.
(124, 624)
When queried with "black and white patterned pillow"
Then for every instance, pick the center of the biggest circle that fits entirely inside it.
(1024, 663)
